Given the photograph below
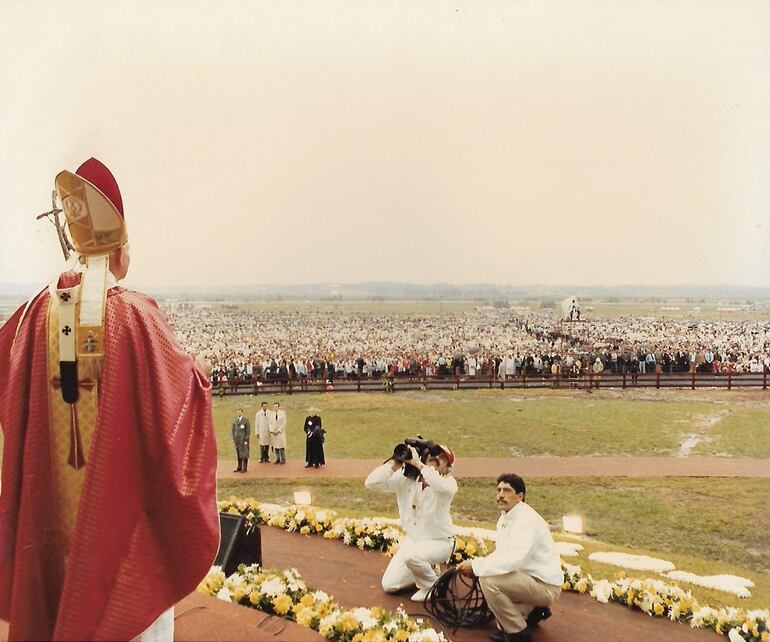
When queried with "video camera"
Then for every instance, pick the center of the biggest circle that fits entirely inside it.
(424, 448)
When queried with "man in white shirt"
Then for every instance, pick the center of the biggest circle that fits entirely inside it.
(423, 506)
(523, 575)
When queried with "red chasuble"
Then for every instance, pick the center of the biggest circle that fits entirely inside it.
(147, 527)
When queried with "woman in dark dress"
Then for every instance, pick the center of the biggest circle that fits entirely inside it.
(314, 443)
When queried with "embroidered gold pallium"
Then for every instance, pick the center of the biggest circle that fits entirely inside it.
(68, 481)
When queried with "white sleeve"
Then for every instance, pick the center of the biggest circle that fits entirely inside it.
(381, 478)
(441, 484)
(512, 551)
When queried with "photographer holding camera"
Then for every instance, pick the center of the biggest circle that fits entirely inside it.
(420, 474)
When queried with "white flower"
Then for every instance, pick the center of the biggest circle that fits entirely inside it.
(364, 617)
(300, 516)
(321, 516)
(224, 595)
(273, 587)
(320, 596)
(602, 591)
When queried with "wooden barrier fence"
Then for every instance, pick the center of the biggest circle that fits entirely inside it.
(587, 381)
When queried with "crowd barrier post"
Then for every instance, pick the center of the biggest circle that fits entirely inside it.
(729, 375)
(358, 382)
(764, 378)
(625, 375)
(657, 376)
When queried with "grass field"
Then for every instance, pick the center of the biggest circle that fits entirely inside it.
(500, 423)
(705, 526)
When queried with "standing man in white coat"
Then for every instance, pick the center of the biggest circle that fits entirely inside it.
(262, 428)
(423, 506)
(278, 433)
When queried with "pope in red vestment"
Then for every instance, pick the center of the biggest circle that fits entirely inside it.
(145, 527)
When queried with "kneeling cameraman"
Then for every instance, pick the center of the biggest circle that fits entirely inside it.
(424, 489)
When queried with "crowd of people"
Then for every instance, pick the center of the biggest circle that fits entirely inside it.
(251, 347)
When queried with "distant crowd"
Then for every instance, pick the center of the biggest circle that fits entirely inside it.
(247, 346)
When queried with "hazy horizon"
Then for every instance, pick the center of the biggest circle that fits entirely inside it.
(545, 142)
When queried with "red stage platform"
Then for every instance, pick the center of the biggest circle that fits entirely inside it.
(353, 578)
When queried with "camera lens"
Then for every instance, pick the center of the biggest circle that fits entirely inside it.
(402, 453)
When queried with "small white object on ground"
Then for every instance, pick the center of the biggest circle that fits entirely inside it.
(635, 562)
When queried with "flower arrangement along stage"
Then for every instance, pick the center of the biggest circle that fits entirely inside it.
(654, 597)
(284, 593)
(660, 599)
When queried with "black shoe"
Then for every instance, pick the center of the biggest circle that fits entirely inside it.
(538, 614)
(276, 462)
(520, 636)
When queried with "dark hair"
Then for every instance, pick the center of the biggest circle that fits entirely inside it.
(514, 481)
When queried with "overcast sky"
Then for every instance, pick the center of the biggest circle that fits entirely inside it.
(595, 142)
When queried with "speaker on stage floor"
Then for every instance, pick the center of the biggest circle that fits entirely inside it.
(240, 543)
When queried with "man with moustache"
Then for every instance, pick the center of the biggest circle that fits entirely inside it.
(523, 575)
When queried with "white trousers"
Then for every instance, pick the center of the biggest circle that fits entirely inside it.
(413, 564)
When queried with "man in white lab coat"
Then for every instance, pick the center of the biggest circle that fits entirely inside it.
(262, 428)
(277, 425)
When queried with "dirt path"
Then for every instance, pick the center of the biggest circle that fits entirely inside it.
(526, 467)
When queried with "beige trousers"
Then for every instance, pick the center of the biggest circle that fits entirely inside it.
(511, 597)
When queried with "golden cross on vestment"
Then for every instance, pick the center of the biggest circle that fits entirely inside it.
(76, 458)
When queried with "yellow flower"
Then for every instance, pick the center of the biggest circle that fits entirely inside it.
(254, 597)
(307, 600)
(282, 604)
(347, 622)
(305, 530)
(402, 636)
(358, 637)
(305, 617)
(658, 608)
(565, 586)
(765, 636)
(581, 585)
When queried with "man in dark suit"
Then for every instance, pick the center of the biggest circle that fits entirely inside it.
(241, 432)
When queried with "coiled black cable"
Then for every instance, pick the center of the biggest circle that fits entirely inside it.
(456, 600)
